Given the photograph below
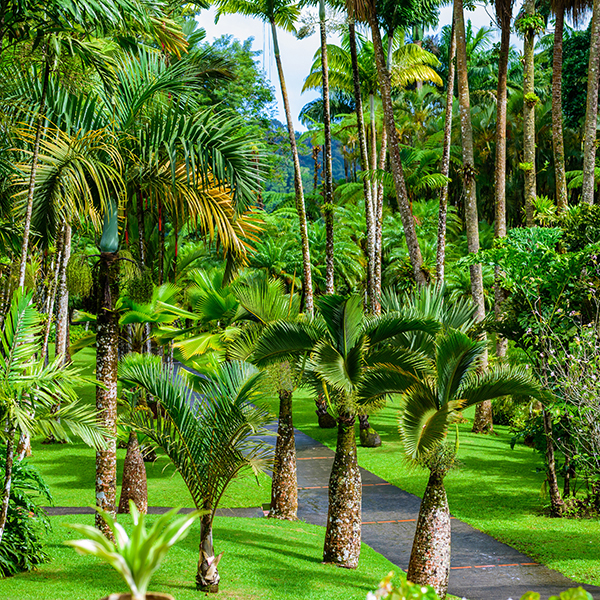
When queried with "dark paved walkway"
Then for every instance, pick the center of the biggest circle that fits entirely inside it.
(482, 568)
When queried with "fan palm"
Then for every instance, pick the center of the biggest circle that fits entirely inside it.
(205, 426)
(350, 363)
(451, 382)
(29, 390)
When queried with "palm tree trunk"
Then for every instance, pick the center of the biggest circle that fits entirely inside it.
(342, 538)
(62, 316)
(591, 110)
(364, 164)
(440, 258)
(284, 490)
(557, 117)
(328, 208)
(404, 207)
(161, 243)
(34, 165)
(52, 298)
(529, 116)
(483, 412)
(134, 486)
(430, 557)
(301, 209)
(10, 449)
(107, 339)
(556, 502)
(207, 576)
(504, 13)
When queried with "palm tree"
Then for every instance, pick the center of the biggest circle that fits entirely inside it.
(351, 365)
(591, 110)
(451, 382)
(281, 13)
(30, 390)
(205, 426)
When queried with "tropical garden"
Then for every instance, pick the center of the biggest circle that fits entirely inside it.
(189, 284)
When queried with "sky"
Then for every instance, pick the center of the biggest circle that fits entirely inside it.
(297, 55)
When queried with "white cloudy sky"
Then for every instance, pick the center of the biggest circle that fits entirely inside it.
(297, 55)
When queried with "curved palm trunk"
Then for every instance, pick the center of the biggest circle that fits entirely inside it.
(557, 117)
(34, 165)
(328, 208)
(107, 339)
(529, 117)
(133, 486)
(207, 576)
(10, 456)
(284, 490)
(342, 538)
(300, 207)
(430, 557)
(483, 412)
(62, 316)
(591, 111)
(364, 164)
(404, 207)
(440, 257)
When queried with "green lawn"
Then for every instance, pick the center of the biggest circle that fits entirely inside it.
(263, 560)
(497, 490)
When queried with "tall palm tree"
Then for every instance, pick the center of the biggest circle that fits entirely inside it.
(591, 110)
(351, 364)
(450, 383)
(205, 426)
(281, 13)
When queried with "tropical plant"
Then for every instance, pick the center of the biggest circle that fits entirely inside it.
(135, 557)
(449, 382)
(205, 425)
(350, 364)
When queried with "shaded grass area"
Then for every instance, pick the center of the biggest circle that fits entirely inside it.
(496, 490)
(69, 469)
(264, 559)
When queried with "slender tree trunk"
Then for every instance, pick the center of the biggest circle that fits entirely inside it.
(430, 556)
(134, 486)
(557, 117)
(10, 449)
(342, 538)
(364, 164)
(529, 116)
(556, 502)
(207, 576)
(307, 283)
(504, 13)
(284, 490)
(34, 166)
(107, 326)
(404, 207)
(483, 412)
(161, 243)
(142, 251)
(591, 110)
(52, 298)
(440, 259)
(62, 316)
(329, 207)
(379, 216)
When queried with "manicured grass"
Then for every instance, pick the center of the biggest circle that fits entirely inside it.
(263, 560)
(496, 489)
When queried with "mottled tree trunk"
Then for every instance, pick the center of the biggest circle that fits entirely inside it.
(556, 502)
(529, 116)
(207, 576)
(430, 557)
(51, 299)
(558, 142)
(440, 259)
(34, 166)
(107, 339)
(591, 110)
(364, 164)
(300, 207)
(134, 486)
(10, 448)
(342, 538)
(404, 207)
(62, 316)
(284, 490)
